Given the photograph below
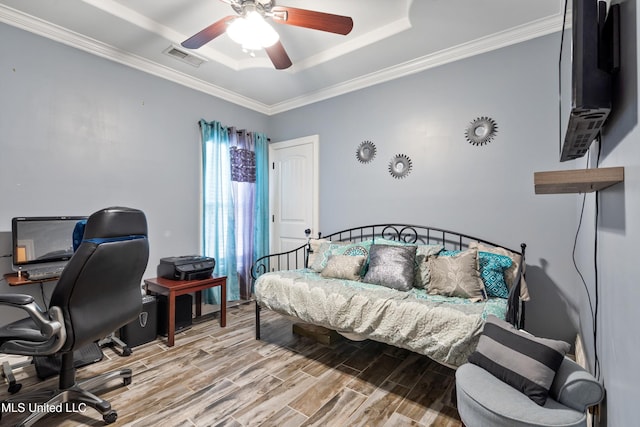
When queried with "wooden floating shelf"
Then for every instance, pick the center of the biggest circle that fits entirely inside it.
(577, 180)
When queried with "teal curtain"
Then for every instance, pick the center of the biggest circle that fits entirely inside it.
(218, 209)
(235, 168)
(261, 233)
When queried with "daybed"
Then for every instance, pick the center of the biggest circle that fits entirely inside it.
(421, 288)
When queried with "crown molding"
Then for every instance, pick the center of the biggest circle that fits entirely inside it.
(499, 40)
(129, 15)
(496, 41)
(62, 35)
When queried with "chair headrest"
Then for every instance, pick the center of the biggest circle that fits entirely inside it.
(116, 222)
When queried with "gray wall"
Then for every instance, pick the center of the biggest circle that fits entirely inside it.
(486, 191)
(79, 133)
(616, 243)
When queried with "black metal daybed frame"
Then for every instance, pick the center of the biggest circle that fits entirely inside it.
(298, 258)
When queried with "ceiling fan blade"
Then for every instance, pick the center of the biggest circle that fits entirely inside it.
(312, 19)
(208, 34)
(278, 56)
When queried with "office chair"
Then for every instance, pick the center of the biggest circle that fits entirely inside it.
(111, 340)
(97, 293)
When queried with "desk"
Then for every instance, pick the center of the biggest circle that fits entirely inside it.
(13, 280)
(173, 288)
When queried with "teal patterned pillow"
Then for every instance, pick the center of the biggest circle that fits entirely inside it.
(492, 268)
(327, 249)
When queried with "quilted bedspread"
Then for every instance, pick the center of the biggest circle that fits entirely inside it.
(446, 329)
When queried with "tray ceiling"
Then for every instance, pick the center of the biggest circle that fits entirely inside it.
(390, 39)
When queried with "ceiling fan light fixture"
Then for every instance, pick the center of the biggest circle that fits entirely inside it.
(252, 32)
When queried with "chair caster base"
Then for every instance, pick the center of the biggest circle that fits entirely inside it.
(14, 388)
(110, 417)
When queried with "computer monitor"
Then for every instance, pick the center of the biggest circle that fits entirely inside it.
(42, 241)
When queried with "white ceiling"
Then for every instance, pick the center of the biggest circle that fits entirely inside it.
(390, 39)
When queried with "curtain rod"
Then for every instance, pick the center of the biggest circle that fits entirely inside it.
(238, 131)
(243, 130)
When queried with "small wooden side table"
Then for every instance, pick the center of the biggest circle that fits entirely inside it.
(173, 288)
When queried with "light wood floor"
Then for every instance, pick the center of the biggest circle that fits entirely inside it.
(224, 377)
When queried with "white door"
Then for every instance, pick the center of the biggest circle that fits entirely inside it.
(293, 190)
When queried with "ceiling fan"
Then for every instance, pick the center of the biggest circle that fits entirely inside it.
(250, 29)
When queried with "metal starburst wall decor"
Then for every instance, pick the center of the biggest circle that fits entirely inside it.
(366, 151)
(400, 166)
(481, 131)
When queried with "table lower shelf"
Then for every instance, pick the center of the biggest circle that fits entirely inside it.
(174, 288)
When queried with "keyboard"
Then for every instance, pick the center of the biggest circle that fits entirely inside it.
(43, 273)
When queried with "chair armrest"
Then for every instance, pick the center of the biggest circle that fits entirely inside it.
(15, 299)
(28, 304)
(52, 333)
(575, 387)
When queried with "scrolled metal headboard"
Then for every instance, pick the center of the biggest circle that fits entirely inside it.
(405, 233)
(409, 233)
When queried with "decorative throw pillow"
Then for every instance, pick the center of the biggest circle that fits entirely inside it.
(421, 278)
(456, 275)
(347, 267)
(391, 266)
(423, 273)
(320, 254)
(338, 248)
(523, 361)
(492, 269)
(315, 245)
(510, 275)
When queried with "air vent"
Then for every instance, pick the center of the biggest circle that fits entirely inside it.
(184, 56)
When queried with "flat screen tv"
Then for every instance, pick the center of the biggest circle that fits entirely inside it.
(588, 58)
(42, 241)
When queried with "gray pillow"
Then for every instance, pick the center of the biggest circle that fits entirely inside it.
(423, 252)
(525, 362)
(391, 266)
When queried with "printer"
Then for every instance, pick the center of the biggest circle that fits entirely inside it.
(188, 267)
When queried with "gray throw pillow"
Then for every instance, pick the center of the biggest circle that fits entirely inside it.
(423, 252)
(525, 362)
(391, 266)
